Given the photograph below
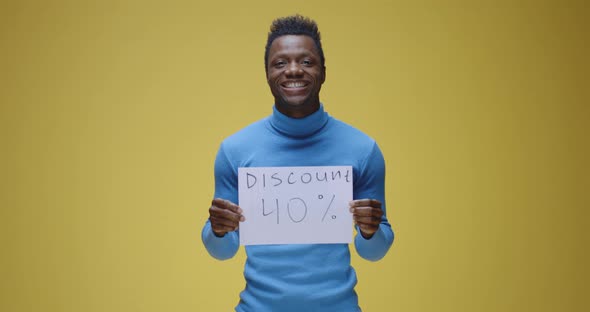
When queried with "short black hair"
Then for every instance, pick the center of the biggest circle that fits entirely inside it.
(294, 25)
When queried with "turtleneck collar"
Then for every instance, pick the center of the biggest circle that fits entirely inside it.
(299, 127)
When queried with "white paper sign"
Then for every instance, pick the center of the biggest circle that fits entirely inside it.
(295, 205)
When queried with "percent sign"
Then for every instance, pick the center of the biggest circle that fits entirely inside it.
(329, 205)
(289, 208)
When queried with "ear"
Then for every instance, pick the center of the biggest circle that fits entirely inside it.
(323, 74)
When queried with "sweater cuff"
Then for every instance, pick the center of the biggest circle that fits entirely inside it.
(375, 247)
(221, 248)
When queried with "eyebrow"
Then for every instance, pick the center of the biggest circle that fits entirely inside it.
(303, 54)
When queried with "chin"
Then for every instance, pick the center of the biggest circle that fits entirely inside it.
(296, 103)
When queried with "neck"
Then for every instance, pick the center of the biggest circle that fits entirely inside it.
(299, 127)
(298, 111)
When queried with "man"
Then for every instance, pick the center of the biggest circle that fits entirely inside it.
(306, 277)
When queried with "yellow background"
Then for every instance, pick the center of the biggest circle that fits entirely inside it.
(112, 111)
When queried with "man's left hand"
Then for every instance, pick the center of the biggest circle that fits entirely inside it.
(367, 214)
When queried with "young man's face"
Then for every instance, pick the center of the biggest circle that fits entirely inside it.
(295, 75)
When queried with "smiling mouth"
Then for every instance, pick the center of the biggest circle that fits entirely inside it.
(294, 84)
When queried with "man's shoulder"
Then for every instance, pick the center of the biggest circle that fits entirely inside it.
(247, 134)
(350, 133)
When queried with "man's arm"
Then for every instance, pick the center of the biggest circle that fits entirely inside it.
(374, 233)
(220, 235)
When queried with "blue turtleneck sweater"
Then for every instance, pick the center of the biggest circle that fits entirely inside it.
(314, 277)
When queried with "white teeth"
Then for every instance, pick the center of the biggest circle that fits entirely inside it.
(296, 84)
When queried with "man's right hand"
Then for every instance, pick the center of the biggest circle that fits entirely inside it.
(224, 216)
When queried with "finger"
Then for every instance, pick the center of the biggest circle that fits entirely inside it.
(225, 214)
(367, 232)
(222, 229)
(219, 204)
(367, 220)
(365, 202)
(215, 221)
(226, 204)
(367, 212)
(368, 229)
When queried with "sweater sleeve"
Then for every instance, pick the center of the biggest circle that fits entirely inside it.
(371, 184)
(226, 187)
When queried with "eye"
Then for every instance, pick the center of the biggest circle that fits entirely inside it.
(306, 62)
(279, 64)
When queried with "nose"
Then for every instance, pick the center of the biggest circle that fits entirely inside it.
(294, 70)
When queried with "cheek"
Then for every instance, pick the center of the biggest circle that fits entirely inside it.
(273, 79)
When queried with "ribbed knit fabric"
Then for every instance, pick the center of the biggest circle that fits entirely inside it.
(310, 277)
